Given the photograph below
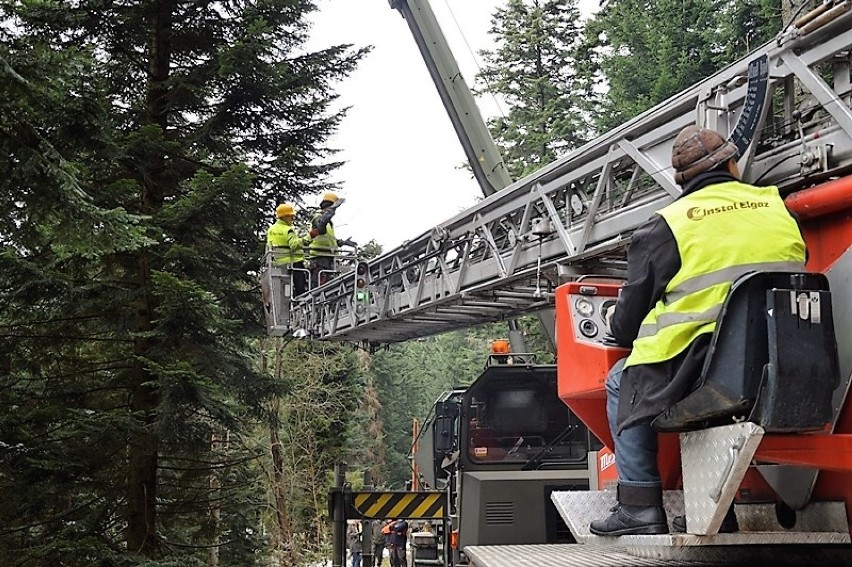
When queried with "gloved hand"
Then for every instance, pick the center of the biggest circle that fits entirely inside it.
(324, 219)
(347, 242)
(608, 317)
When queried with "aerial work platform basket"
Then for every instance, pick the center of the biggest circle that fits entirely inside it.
(276, 284)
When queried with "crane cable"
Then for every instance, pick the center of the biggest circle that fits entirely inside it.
(475, 61)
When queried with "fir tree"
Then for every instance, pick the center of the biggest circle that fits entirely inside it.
(641, 52)
(143, 146)
(532, 69)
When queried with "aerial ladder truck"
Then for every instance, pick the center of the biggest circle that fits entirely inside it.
(557, 239)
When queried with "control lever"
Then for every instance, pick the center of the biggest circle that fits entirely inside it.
(607, 311)
(609, 340)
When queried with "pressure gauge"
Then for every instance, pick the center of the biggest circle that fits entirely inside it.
(584, 307)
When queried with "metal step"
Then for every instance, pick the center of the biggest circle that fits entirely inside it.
(557, 555)
(820, 523)
(714, 461)
(505, 256)
(567, 555)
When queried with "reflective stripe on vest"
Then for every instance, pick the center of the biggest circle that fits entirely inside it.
(729, 274)
(284, 243)
(722, 232)
(323, 244)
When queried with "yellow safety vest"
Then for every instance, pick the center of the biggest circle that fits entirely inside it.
(323, 244)
(285, 244)
(722, 232)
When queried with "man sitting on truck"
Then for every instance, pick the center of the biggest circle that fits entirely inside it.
(680, 267)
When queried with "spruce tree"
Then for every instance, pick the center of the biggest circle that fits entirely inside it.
(143, 146)
(532, 69)
(641, 52)
(745, 26)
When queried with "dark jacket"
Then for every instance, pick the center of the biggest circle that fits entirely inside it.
(353, 539)
(652, 261)
(379, 538)
(399, 534)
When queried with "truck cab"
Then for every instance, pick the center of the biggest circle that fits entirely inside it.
(501, 447)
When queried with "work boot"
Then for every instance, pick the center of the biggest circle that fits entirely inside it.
(632, 520)
(729, 523)
(639, 511)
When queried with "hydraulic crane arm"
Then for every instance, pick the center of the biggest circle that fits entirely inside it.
(482, 154)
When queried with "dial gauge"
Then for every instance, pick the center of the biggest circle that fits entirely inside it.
(584, 307)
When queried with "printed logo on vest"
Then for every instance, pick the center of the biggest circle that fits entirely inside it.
(698, 213)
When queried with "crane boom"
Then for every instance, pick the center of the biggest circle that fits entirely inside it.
(482, 154)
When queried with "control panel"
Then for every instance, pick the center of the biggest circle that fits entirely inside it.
(588, 306)
(585, 349)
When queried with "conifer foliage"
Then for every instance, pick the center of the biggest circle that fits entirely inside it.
(142, 145)
(532, 70)
(641, 52)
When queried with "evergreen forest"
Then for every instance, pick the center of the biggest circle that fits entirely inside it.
(145, 418)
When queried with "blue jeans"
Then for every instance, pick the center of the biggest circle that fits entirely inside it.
(356, 559)
(635, 447)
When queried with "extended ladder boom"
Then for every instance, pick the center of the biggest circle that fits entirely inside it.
(506, 255)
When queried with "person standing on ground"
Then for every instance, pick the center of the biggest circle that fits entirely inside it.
(398, 540)
(387, 530)
(287, 247)
(379, 542)
(680, 266)
(353, 541)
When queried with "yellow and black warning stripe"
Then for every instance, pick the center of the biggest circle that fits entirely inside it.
(380, 505)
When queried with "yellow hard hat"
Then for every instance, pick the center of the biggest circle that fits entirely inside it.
(329, 196)
(285, 210)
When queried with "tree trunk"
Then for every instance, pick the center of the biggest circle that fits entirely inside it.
(281, 538)
(217, 448)
(144, 447)
(788, 8)
(142, 470)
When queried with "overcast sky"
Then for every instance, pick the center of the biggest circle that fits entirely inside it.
(402, 174)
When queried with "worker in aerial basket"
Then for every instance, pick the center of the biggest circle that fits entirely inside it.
(680, 267)
(324, 244)
(287, 247)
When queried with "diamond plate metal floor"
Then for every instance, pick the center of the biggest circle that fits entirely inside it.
(822, 539)
(557, 555)
(819, 523)
(578, 555)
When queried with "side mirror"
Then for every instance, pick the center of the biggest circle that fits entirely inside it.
(446, 427)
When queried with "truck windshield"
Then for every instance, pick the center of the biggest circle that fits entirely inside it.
(512, 423)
